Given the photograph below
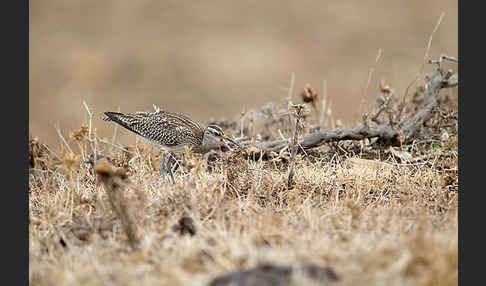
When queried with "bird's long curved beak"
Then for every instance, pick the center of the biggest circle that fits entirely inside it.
(233, 142)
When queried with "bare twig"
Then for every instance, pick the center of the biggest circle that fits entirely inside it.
(115, 145)
(291, 88)
(294, 143)
(92, 141)
(384, 106)
(323, 102)
(90, 115)
(58, 130)
(289, 98)
(115, 129)
(423, 63)
(368, 81)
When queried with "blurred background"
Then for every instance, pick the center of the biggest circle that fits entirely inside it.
(214, 59)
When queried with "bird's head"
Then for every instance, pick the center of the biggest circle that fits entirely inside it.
(214, 137)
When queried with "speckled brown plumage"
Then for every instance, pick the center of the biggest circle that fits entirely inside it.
(170, 130)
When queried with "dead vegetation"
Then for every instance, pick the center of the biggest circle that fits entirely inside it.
(342, 209)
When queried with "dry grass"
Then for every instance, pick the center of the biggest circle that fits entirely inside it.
(373, 224)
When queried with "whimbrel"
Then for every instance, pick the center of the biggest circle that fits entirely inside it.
(171, 131)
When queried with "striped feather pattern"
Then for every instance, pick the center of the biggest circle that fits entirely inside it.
(168, 129)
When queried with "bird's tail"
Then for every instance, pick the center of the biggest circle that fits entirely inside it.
(122, 119)
(112, 116)
(106, 117)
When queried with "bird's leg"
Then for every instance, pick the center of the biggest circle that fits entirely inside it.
(162, 166)
(169, 167)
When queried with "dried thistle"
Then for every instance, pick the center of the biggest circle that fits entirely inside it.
(79, 134)
(309, 95)
(112, 180)
(67, 162)
(384, 86)
(38, 153)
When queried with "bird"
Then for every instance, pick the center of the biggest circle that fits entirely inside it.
(172, 131)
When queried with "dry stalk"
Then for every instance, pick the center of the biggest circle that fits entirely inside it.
(427, 49)
(113, 182)
(370, 75)
(295, 140)
(91, 137)
(383, 106)
(322, 110)
(58, 130)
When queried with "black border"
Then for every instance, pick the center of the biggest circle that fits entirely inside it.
(468, 23)
(471, 111)
(15, 86)
(460, 144)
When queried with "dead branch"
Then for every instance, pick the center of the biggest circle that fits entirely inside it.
(319, 138)
(402, 134)
(438, 81)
